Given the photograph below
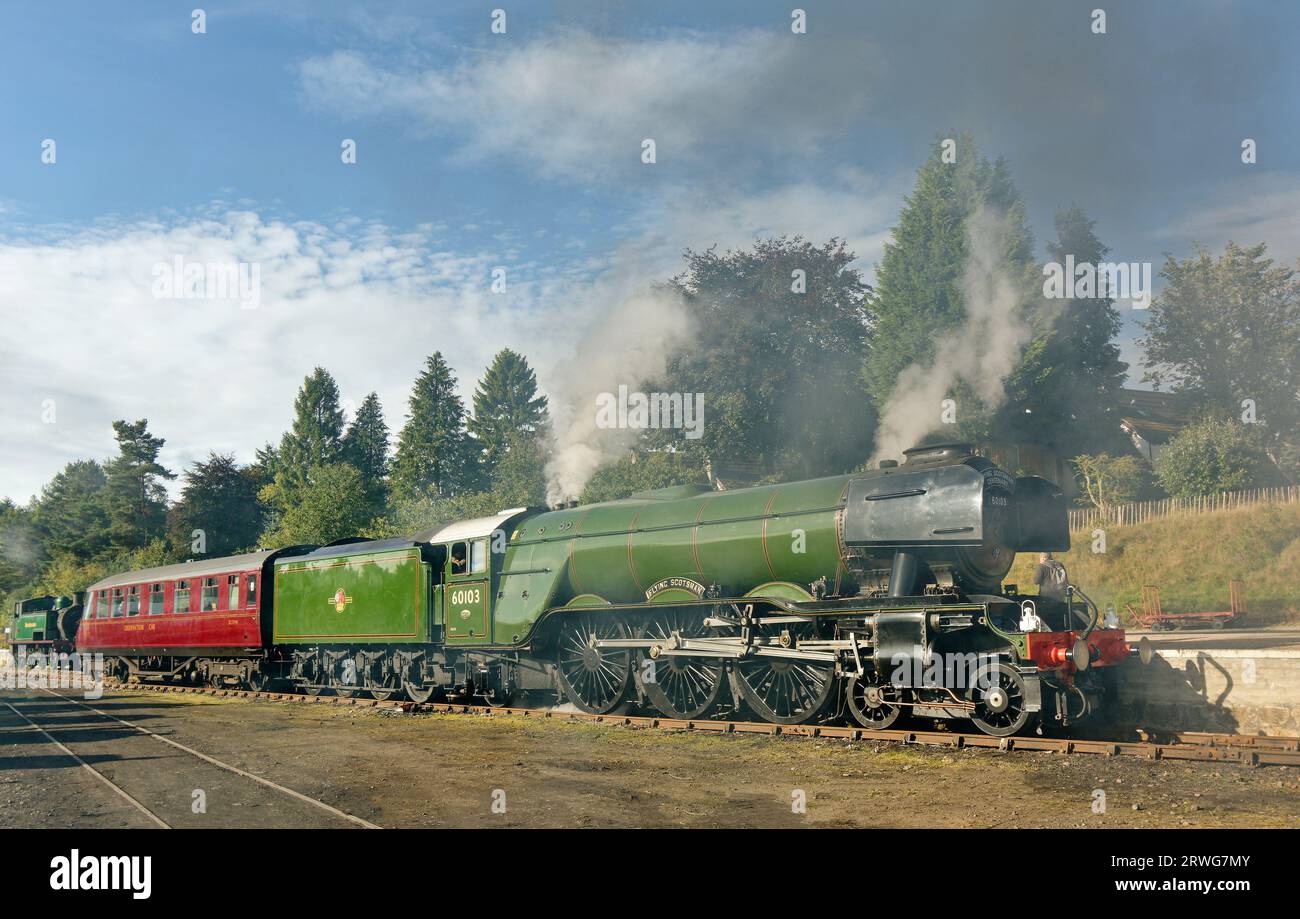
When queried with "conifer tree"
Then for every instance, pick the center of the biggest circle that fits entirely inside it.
(316, 437)
(506, 403)
(135, 499)
(434, 455)
(365, 446)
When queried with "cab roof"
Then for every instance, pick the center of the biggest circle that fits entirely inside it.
(473, 529)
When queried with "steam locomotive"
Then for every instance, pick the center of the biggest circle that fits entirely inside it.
(875, 596)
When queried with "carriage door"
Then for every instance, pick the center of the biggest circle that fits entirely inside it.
(465, 592)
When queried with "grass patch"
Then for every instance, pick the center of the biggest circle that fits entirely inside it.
(1191, 557)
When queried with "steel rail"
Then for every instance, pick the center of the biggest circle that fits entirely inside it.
(1180, 746)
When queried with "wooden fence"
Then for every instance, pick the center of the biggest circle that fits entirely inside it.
(1142, 511)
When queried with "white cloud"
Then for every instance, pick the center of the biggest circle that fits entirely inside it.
(578, 105)
(857, 209)
(82, 328)
(1258, 208)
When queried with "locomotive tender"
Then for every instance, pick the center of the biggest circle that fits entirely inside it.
(875, 594)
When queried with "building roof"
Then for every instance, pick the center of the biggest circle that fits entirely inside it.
(197, 569)
(1155, 416)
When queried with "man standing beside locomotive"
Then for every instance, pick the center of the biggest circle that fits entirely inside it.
(1051, 578)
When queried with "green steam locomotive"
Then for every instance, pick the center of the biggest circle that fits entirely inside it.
(875, 595)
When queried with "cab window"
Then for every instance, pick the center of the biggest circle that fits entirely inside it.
(181, 597)
(156, 600)
(478, 556)
(458, 558)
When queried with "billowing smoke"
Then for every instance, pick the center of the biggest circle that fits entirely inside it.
(629, 345)
(18, 547)
(982, 351)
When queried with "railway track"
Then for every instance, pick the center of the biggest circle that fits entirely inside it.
(1178, 746)
(29, 713)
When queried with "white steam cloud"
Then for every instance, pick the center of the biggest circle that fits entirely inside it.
(629, 346)
(981, 352)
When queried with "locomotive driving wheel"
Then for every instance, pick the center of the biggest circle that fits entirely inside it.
(784, 690)
(345, 677)
(873, 705)
(381, 679)
(594, 679)
(385, 689)
(679, 687)
(418, 692)
(999, 697)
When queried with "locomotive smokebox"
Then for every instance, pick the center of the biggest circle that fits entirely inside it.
(946, 515)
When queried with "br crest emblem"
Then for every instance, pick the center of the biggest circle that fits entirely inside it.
(340, 600)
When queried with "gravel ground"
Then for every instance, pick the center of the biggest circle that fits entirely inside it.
(421, 770)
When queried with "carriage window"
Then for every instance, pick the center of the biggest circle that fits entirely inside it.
(181, 597)
(117, 602)
(478, 556)
(156, 600)
(250, 593)
(133, 601)
(458, 558)
(209, 597)
(101, 604)
(233, 582)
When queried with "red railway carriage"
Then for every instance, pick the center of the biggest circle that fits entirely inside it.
(202, 621)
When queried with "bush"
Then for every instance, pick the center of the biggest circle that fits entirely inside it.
(1214, 455)
(1106, 480)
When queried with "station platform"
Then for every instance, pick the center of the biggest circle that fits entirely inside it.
(1230, 681)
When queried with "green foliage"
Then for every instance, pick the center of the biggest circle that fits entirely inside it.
(641, 472)
(365, 446)
(506, 404)
(411, 515)
(316, 437)
(917, 294)
(219, 498)
(21, 552)
(135, 500)
(1227, 329)
(777, 367)
(69, 515)
(330, 505)
(434, 454)
(1070, 376)
(519, 479)
(1106, 480)
(1214, 455)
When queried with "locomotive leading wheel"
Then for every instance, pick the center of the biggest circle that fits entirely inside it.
(679, 687)
(873, 705)
(785, 691)
(595, 680)
(999, 697)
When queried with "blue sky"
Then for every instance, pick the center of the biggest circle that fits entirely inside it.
(522, 151)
